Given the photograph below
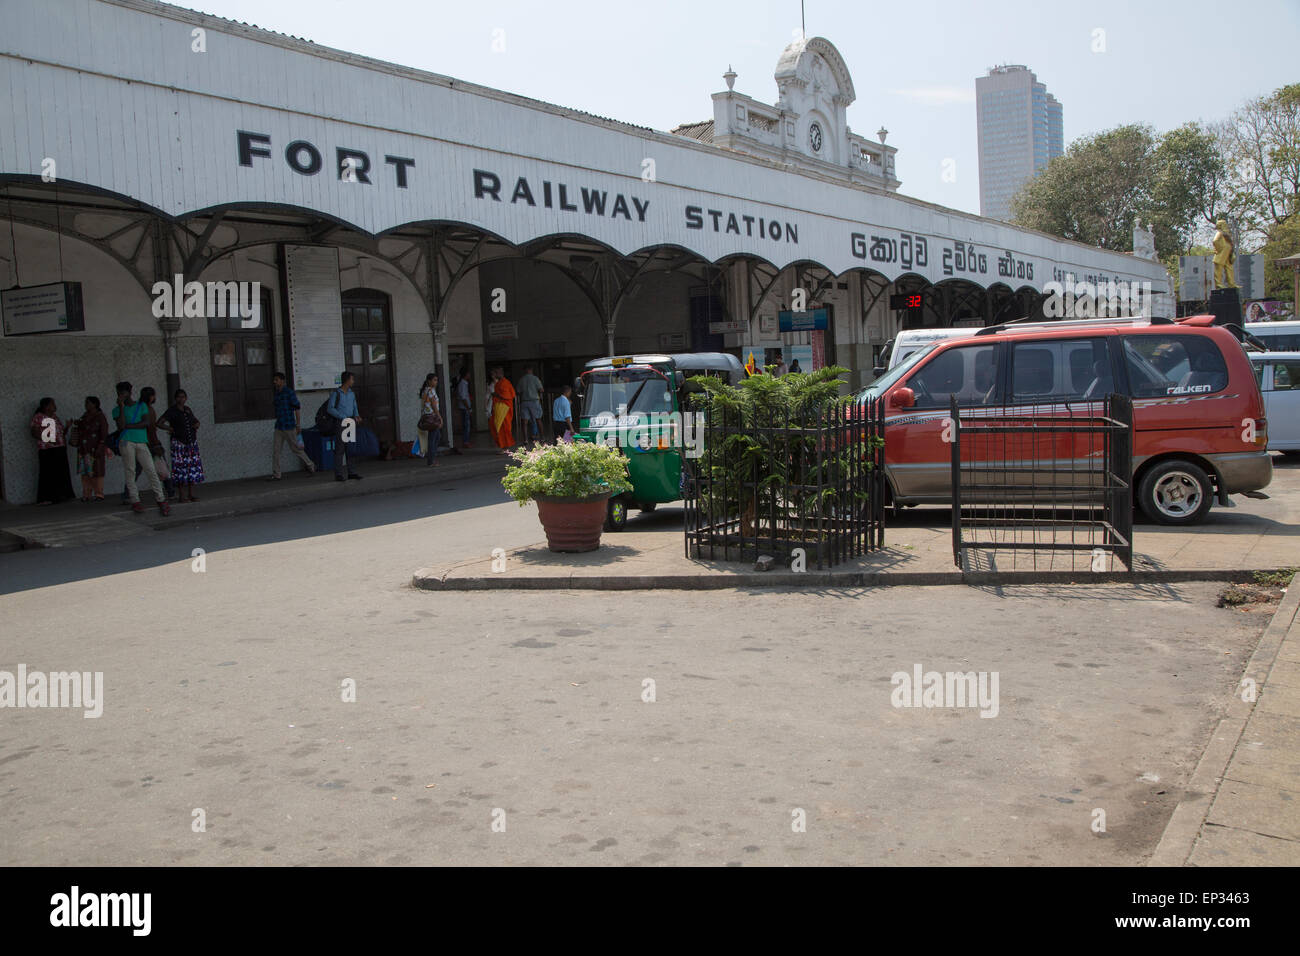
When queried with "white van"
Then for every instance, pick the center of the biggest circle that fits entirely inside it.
(1278, 336)
(1278, 374)
(908, 341)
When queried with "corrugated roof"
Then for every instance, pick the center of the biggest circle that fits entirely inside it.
(244, 23)
(372, 62)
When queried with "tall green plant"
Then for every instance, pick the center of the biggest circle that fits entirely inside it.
(777, 460)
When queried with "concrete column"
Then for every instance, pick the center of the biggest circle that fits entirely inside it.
(738, 305)
(171, 359)
(438, 327)
(435, 302)
(163, 272)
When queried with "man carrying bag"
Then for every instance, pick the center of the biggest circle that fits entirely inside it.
(343, 415)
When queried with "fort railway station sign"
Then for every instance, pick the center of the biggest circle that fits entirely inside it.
(117, 95)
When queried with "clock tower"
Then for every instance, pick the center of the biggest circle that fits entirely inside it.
(807, 126)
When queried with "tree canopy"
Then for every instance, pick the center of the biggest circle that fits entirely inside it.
(1245, 169)
(1106, 183)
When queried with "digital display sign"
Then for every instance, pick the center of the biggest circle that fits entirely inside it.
(907, 301)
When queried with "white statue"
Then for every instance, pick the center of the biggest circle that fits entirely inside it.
(1144, 241)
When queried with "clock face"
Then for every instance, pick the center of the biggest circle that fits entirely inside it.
(815, 137)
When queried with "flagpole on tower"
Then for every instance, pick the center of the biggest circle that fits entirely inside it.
(803, 26)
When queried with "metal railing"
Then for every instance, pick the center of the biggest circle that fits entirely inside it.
(1043, 485)
(770, 481)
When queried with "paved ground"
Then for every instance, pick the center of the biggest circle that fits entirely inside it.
(1254, 535)
(77, 523)
(223, 692)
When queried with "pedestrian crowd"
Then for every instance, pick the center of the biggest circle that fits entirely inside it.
(132, 429)
(134, 436)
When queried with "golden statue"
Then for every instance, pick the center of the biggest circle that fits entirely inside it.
(1224, 257)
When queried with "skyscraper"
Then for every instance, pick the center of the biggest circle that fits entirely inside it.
(1020, 131)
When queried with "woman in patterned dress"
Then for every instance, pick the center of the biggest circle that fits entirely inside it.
(92, 450)
(187, 463)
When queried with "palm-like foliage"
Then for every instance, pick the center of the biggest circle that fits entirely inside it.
(777, 453)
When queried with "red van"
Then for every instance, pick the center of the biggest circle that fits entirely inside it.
(1199, 430)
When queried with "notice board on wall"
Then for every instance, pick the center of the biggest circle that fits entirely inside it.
(34, 309)
(315, 315)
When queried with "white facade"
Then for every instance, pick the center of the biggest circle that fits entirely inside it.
(428, 187)
(808, 126)
(104, 111)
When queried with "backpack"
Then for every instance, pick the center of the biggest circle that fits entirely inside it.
(326, 423)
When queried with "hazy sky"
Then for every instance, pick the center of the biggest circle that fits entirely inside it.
(914, 63)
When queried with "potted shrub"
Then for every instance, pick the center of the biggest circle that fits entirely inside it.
(570, 482)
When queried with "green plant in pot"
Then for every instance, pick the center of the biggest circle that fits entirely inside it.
(570, 483)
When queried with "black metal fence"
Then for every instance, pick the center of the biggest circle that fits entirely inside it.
(1046, 486)
(769, 481)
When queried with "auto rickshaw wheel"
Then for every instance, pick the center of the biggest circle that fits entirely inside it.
(615, 514)
(649, 506)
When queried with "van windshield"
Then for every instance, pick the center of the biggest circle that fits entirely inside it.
(625, 391)
(899, 371)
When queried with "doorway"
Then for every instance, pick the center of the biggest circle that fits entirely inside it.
(458, 362)
(368, 349)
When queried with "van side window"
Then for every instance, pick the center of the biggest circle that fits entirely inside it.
(1286, 376)
(1161, 366)
(967, 372)
(1075, 369)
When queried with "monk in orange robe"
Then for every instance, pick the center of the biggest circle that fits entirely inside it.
(503, 410)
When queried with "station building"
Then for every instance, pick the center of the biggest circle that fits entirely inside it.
(395, 222)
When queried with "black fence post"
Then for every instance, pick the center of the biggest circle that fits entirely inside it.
(1120, 410)
(954, 423)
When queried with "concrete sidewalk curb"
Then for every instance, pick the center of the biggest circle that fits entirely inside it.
(429, 579)
(326, 490)
(291, 494)
(1184, 827)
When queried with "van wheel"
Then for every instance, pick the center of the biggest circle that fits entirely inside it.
(1176, 493)
(615, 514)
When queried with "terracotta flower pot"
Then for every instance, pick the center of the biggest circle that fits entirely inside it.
(572, 524)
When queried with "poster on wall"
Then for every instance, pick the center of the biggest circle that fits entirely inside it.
(1268, 310)
(315, 315)
(34, 309)
(818, 350)
(803, 354)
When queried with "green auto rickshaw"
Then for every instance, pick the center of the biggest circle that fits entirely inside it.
(635, 403)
